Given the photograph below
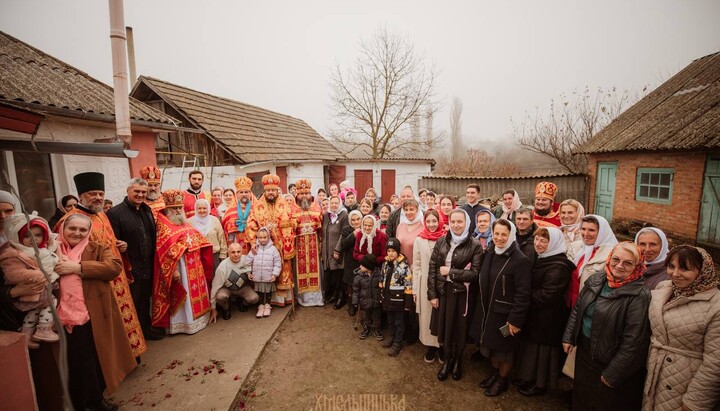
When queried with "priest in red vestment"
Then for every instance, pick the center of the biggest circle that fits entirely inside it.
(235, 220)
(193, 193)
(184, 261)
(308, 219)
(546, 212)
(154, 200)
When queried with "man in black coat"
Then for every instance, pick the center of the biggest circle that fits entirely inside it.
(525, 236)
(472, 193)
(133, 222)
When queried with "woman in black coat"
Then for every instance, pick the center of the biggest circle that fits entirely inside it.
(454, 264)
(344, 249)
(333, 222)
(540, 356)
(503, 305)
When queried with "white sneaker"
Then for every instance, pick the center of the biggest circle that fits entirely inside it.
(266, 312)
(261, 310)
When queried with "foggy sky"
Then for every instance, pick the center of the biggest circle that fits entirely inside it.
(501, 58)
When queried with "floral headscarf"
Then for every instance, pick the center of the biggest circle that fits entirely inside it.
(707, 278)
(637, 273)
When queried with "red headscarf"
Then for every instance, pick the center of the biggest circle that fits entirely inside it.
(432, 235)
(445, 219)
(637, 273)
(35, 223)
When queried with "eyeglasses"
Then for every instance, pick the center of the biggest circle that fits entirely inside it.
(627, 265)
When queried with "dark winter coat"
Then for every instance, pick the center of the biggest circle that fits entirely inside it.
(620, 332)
(396, 285)
(504, 283)
(393, 222)
(366, 290)
(345, 246)
(331, 234)
(548, 313)
(135, 226)
(472, 212)
(468, 252)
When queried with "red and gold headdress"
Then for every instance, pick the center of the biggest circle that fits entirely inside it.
(271, 181)
(151, 174)
(546, 189)
(303, 186)
(244, 184)
(173, 198)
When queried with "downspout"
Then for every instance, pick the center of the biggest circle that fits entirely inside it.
(120, 75)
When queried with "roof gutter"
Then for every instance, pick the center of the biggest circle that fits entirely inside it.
(58, 147)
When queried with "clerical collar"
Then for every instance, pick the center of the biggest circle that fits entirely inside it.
(85, 209)
(191, 191)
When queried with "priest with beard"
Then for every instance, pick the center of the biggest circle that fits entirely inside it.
(153, 199)
(184, 266)
(546, 212)
(194, 192)
(91, 195)
(273, 212)
(308, 217)
(235, 220)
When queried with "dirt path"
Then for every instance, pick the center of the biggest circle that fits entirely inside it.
(316, 361)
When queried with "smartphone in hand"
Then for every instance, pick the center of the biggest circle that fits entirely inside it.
(505, 330)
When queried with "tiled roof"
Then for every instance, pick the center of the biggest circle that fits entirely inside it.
(510, 177)
(682, 114)
(392, 159)
(253, 133)
(33, 79)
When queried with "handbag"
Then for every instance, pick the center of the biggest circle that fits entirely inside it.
(569, 367)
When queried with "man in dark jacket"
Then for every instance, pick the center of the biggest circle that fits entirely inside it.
(472, 193)
(366, 295)
(525, 236)
(133, 222)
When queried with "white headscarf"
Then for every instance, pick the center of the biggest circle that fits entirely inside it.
(368, 237)
(511, 238)
(418, 217)
(202, 224)
(571, 229)
(663, 240)
(457, 239)
(516, 204)
(605, 237)
(335, 215)
(556, 244)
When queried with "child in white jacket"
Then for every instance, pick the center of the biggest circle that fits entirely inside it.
(266, 266)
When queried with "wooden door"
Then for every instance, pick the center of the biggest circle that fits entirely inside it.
(709, 224)
(336, 174)
(281, 172)
(605, 191)
(387, 184)
(257, 187)
(363, 181)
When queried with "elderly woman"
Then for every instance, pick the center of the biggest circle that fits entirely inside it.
(609, 327)
(654, 245)
(65, 204)
(369, 240)
(210, 227)
(333, 222)
(344, 251)
(454, 264)
(684, 359)
(571, 214)
(539, 366)
(504, 301)
(590, 254)
(509, 205)
(99, 354)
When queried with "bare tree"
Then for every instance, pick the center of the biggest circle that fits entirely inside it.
(475, 162)
(456, 144)
(378, 99)
(571, 121)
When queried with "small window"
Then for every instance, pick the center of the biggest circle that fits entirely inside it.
(654, 185)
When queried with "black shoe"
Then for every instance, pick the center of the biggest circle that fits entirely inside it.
(441, 355)
(477, 356)
(340, 303)
(240, 306)
(226, 314)
(365, 333)
(378, 334)
(395, 350)
(100, 405)
(331, 299)
(352, 310)
(487, 382)
(457, 369)
(445, 369)
(499, 386)
(153, 334)
(519, 382)
(430, 355)
(532, 390)
(387, 343)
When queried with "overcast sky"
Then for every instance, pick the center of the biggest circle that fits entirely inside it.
(500, 57)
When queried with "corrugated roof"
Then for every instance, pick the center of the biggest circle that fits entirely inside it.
(37, 80)
(510, 177)
(682, 114)
(253, 133)
(391, 159)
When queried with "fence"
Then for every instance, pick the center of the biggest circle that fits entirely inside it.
(569, 186)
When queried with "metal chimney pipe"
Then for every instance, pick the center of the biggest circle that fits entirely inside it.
(120, 75)
(131, 55)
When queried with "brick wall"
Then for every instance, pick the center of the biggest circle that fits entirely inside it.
(680, 218)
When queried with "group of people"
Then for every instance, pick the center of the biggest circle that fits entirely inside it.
(538, 291)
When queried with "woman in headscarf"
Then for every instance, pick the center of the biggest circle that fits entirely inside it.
(484, 220)
(684, 359)
(539, 366)
(333, 222)
(447, 204)
(411, 224)
(369, 240)
(344, 251)
(209, 226)
(508, 206)
(504, 301)
(65, 204)
(609, 327)
(590, 254)
(98, 350)
(571, 214)
(654, 245)
(384, 212)
(422, 251)
(454, 264)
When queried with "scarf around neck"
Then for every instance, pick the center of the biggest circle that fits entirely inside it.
(511, 238)
(432, 235)
(368, 238)
(571, 229)
(241, 222)
(457, 239)
(556, 244)
(637, 273)
(336, 215)
(418, 217)
(516, 204)
(605, 237)
(707, 278)
(487, 234)
(72, 309)
(202, 224)
(663, 240)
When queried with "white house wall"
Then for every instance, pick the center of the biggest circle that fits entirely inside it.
(405, 174)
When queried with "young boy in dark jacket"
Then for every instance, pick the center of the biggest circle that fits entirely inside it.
(366, 294)
(396, 295)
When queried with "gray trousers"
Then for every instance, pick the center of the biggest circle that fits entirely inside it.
(248, 295)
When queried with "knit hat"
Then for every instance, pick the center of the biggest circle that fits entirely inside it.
(393, 243)
(368, 261)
